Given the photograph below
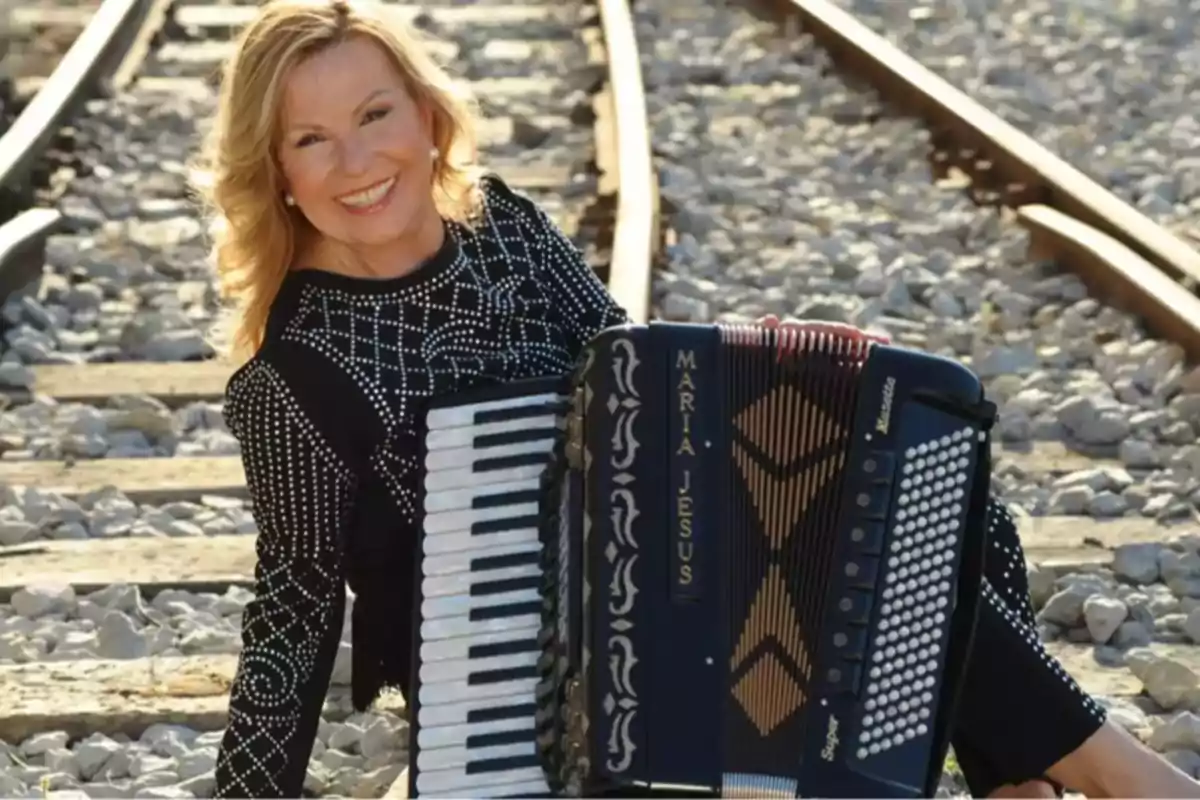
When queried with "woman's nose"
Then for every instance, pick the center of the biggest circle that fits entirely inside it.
(356, 155)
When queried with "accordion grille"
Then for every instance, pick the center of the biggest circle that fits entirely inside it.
(790, 411)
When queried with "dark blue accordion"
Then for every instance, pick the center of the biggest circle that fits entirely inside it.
(759, 556)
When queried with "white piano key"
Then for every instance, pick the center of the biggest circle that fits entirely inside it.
(455, 712)
(456, 735)
(459, 478)
(466, 457)
(460, 784)
(457, 542)
(461, 605)
(449, 564)
(449, 550)
(521, 691)
(461, 583)
(463, 497)
(458, 647)
(459, 416)
(448, 757)
(462, 519)
(451, 627)
(466, 436)
(461, 669)
(523, 789)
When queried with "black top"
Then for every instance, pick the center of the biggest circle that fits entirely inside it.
(327, 416)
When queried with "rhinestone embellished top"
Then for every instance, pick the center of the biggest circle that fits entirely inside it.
(326, 417)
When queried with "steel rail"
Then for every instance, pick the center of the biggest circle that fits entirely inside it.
(637, 215)
(98, 49)
(1146, 276)
(104, 56)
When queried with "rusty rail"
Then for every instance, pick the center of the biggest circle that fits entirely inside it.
(1140, 267)
(103, 57)
(99, 50)
(636, 227)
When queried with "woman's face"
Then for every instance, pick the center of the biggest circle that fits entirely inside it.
(355, 149)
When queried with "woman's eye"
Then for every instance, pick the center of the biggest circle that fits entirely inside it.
(374, 114)
(306, 140)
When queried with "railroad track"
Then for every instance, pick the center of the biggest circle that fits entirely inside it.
(1128, 260)
(37, 36)
(121, 437)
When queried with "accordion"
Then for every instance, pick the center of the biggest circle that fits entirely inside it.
(714, 560)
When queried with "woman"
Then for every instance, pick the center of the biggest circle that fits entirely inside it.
(372, 268)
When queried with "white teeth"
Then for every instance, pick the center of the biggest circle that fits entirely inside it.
(369, 196)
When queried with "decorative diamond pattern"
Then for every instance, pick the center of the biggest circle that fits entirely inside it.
(768, 694)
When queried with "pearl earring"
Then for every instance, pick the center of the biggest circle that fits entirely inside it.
(287, 198)
(433, 154)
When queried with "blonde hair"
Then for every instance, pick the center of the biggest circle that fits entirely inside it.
(238, 176)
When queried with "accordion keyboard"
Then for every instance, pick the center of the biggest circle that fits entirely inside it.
(479, 607)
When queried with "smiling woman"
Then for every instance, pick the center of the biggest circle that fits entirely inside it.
(358, 156)
(340, 145)
(371, 264)
(350, 149)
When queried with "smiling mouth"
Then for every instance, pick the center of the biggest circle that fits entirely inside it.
(368, 197)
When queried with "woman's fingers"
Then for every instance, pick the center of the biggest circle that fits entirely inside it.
(849, 331)
(823, 326)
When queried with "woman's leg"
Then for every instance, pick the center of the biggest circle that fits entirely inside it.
(983, 780)
(1001, 739)
(1005, 570)
(1023, 719)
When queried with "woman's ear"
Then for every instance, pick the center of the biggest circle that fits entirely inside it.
(285, 193)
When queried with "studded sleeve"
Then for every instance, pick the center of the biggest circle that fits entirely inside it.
(996, 741)
(581, 300)
(300, 491)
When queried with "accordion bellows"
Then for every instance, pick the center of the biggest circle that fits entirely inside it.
(759, 561)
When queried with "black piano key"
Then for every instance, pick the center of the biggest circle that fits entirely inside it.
(509, 462)
(506, 499)
(501, 738)
(503, 562)
(505, 524)
(514, 437)
(485, 765)
(506, 585)
(502, 712)
(501, 675)
(506, 610)
(548, 409)
(511, 647)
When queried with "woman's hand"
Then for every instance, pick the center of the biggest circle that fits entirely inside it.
(841, 329)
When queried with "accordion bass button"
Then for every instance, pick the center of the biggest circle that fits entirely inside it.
(874, 498)
(854, 608)
(845, 677)
(873, 501)
(862, 572)
(879, 465)
(867, 537)
(851, 642)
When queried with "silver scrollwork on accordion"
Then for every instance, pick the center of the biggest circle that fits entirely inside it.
(713, 561)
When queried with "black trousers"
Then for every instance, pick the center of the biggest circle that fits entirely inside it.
(1020, 712)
